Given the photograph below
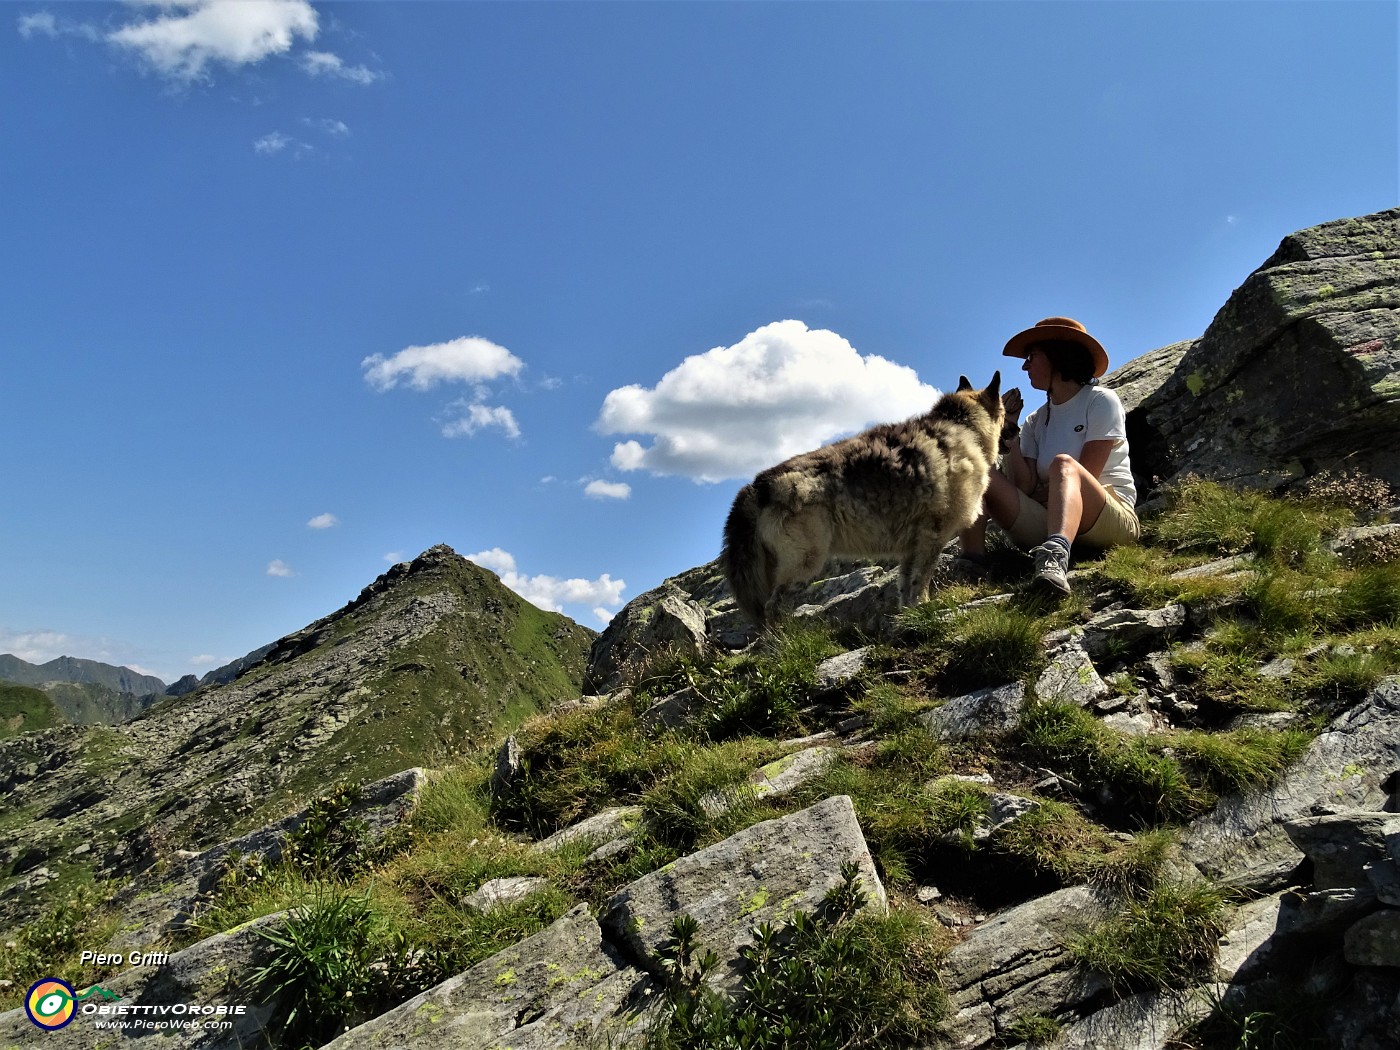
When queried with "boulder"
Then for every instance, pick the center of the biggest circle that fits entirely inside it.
(995, 710)
(609, 828)
(1297, 372)
(664, 621)
(1344, 848)
(1071, 678)
(764, 873)
(776, 778)
(563, 987)
(1018, 964)
(1344, 770)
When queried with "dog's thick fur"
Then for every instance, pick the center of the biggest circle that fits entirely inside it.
(898, 490)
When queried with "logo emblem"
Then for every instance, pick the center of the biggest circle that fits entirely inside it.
(1079, 428)
(49, 1003)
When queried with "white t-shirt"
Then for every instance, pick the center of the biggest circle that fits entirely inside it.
(1093, 414)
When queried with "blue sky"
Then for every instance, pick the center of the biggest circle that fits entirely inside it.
(293, 290)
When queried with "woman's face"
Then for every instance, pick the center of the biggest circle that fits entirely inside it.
(1038, 370)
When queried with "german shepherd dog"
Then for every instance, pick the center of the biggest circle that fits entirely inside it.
(898, 490)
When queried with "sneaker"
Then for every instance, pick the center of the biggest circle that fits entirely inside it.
(1051, 568)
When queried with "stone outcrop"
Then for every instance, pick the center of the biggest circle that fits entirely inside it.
(763, 874)
(1296, 374)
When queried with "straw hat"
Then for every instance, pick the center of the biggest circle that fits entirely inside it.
(1066, 328)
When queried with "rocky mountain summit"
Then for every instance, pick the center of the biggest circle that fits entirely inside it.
(1161, 815)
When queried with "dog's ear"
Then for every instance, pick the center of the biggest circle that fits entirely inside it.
(963, 384)
(993, 390)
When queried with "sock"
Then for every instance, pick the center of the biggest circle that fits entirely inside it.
(1061, 539)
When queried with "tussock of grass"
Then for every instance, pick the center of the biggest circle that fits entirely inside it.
(1209, 517)
(1151, 787)
(1164, 939)
(1240, 759)
(969, 649)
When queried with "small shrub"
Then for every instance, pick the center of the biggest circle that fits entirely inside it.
(329, 842)
(1363, 493)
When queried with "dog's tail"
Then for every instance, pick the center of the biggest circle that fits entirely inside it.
(746, 562)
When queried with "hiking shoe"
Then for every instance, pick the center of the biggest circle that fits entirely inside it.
(1051, 568)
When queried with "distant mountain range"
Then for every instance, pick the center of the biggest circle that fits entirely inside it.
(84, 672)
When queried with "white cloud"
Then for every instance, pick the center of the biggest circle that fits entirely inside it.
(203, 660)
(550, 592)
(608, 490)
(323, 521)
(732, 411)
(186, 36)
(37, 647)
(477, 416)
(277, 567)
(604, 616)
(469, 359)
(325, 64)
(394, 557)
(42, 23)
(272, 142)
(334, 128)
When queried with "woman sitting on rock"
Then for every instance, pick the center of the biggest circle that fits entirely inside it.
(1065, 475)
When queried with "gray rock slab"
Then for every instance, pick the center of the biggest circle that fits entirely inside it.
(764, 873)
(610, 825)
(1071, 678)
(841, 669)
(1344, 847)
(776, 778)
(499, 892)
(563, 987)
(978, 714)
(1018, 963)
(207, 974)
(672, 711)
(1343, 771)
(1325, 912)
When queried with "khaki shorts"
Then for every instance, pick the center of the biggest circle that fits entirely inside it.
(1117, 524)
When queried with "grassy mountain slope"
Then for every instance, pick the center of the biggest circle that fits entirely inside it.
(433, 659)
(24, 709)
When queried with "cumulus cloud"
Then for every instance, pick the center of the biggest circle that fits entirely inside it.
(734, 410)
(323, 521)
(476, 415)
(325, 64)
(469, 359)
(608, 490)
(550, 592)
(185, 36)
(277, 567)
(203, 660)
